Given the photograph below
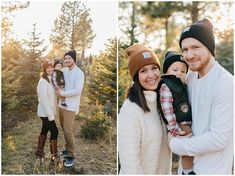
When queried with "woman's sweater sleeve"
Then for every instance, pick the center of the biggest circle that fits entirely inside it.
(44, 101)
(220, 131)
(129, 139)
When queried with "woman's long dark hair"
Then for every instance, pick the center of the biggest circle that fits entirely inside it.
(44, 75)
(136, 94)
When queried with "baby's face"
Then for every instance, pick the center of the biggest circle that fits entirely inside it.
(179, 69)
(58, 67)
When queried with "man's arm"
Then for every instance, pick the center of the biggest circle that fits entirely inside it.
(219, 132)
(77, 88)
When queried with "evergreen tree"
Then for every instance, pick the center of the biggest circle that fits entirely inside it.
(195, 10)
(72, 29)
(85, 34)
(102, 82)
(162, 11)
(124, 79)
(224, 51)
(225, 47)
(9, 7)
(129, 22)
(30, 68)
(11, 52)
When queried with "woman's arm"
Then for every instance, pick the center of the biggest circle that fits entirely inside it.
(43, 99)
(129, 142)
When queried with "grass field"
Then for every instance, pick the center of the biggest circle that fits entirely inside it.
(19, 144)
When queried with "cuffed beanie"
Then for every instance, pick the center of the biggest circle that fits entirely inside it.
(57, 61)
(72, 54)
(139, 56)
(203, 31)
(170, 58)
(46, 63)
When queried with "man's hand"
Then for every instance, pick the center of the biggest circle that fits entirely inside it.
(170, 136)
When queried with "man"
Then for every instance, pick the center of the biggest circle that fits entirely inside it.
(74, 81)
(210, 89)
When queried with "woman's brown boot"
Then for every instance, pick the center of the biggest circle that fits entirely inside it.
(54, 151)
(41, 143)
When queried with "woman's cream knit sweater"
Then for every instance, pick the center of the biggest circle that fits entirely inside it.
(142, 139)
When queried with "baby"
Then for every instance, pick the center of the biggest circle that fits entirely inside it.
(173, 102)
(58, 78)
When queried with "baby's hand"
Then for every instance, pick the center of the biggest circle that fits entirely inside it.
(185, 136)
(182, 133)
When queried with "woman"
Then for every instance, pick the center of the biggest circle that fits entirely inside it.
(46, 111)
(143, 146)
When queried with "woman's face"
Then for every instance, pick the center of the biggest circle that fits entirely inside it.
(149, 76)
(49, 70)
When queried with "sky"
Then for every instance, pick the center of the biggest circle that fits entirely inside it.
(103, 15)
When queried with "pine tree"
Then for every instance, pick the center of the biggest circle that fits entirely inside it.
(162, 11)
(124, 80)
(102, 82)
(225, 47)
(72, 29)
(85, 34)
(129, 22)
(11, 52)
(30, 68)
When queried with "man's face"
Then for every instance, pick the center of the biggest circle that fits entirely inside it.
(196, 54)
(68, 61)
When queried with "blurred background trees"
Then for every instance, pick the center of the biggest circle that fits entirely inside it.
(158, 25)
(72, 30)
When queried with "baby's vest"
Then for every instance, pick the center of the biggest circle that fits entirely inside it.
(58, 79)
(181, 104)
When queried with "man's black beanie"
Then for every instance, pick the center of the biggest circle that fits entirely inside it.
(203, 31)
(71, 53)
(170, 58)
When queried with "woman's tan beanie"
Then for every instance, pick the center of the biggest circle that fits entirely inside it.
(139, 56)
(46, 63)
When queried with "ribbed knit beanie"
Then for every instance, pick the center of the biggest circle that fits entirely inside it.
(203, 31)
(46, 63)
(57, 61)
(170, 58)
(71, 53)
(139, 56)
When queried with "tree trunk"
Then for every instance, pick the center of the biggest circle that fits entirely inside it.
(166, 28)
(195, 11)
(82, 56)
(133, 25)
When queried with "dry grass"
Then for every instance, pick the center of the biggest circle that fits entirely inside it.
(19, 144)
(19, 141)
